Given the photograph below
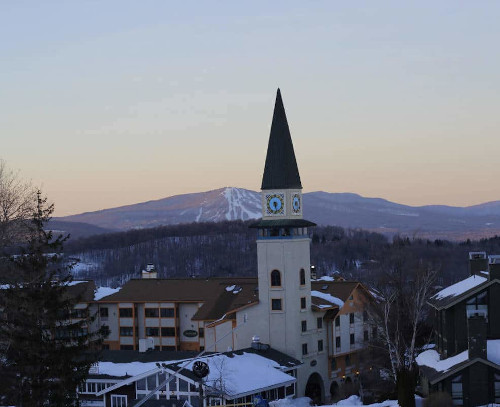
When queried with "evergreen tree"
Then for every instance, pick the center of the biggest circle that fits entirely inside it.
(46, 349)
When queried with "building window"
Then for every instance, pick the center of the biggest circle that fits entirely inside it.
(333, 364)
(337, 321)
(302, 277)
(457, 391)
(365, 336)
(365, 316)
(352, 339)
(152, 331)
(151, 313)
(337, 342)
(117, 400)
(497, 388)
(320, 345)
(351, 318)
(126, 313)
(319, 323)
(126, 331)
(304, 348)
(169, 331)
(276, 304)
(478, 305)
(303, 303)
(275, 278)
(201, 332)
(348, 360)
(167, 312)
(304, 326)
(103, 312)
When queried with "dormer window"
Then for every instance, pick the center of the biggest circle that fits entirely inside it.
(275, 278)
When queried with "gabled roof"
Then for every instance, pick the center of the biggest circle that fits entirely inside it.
(269, 366)
(339, 291)
(214, 293)
(461, 290)
(280, 171)
(436, 369)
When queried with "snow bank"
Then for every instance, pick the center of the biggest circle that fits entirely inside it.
(328, 297)
(102, 292)
(352, 401)
(460, 287)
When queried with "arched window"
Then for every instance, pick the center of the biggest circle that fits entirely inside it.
(275, 278)
(302, 277)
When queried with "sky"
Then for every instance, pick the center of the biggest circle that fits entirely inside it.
(108, 103)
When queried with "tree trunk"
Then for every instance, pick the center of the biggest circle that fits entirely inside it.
(405, 384)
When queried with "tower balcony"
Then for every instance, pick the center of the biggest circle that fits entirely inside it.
(282, 228)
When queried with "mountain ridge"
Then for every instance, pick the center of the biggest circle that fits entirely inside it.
(344, 209)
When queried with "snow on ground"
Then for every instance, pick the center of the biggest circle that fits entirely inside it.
(352, 401)
(102, 292)
(460, 287)
(328, 297)
(432, 359)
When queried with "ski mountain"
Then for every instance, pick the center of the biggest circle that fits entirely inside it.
(340, 209)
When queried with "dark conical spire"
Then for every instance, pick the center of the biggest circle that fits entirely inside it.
(280, 171)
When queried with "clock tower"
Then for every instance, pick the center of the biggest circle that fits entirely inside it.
(283, 247)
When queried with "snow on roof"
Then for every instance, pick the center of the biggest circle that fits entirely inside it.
(75, 282)
(102, 292)
(460, 287)
(349, 402)
(127, 369)
(325, 278)
(243, 374)
(328, 297)
(432, 359)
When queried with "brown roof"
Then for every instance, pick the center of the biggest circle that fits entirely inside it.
(212, 292)
(339, 289)
(82, 290)
(227, 301)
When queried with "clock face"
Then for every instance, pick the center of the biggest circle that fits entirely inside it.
(296, 204)
(275, 204)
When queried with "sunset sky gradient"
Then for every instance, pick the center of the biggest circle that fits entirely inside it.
(107, 103)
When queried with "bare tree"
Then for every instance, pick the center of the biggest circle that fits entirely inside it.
(17, 197)
(400, 317)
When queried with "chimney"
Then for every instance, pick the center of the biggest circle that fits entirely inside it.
(257, 345)
(150, 272)
(477, 262)
(477, 335)
(494, 266)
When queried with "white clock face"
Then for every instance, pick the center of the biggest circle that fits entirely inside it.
(296, 204)
(275, 204)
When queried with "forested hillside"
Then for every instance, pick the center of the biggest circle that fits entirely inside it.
(229, 248)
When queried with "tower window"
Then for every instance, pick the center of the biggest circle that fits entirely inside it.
(302, 277)
(320, 345)
(303, 303)
(304, 348)
(276, 304)
(319, 323)
(275, 278)
(304, 326)
(351, 318)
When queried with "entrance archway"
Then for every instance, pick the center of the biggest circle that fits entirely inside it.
(314, 388)
(334, 391)
(348, 387)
